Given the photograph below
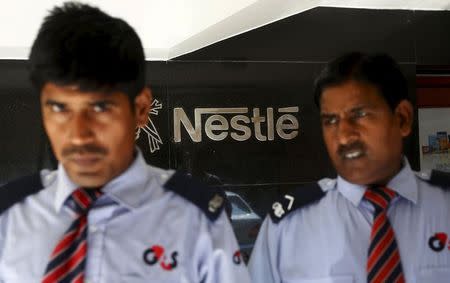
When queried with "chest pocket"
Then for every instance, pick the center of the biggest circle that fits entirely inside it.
(334, 279)
(435, 274)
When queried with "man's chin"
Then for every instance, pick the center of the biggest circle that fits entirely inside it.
(88, 179)
(357, 179)
(356, 175)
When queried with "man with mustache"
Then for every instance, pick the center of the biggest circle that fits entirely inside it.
(377, 221)
(105, 215)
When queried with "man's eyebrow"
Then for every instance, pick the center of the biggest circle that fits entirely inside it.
(52, 102)
(327, 115)
(105, 101)
(357, 108)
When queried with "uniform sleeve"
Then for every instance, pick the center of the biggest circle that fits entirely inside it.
(264, 261)
(2, 238)
(220, 261)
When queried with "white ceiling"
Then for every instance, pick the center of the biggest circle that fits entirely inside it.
(170, 28)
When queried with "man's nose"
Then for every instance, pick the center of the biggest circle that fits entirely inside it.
(81, 131)
(347, 131)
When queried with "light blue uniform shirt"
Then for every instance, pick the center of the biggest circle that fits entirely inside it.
(134, 215)
(328, 241)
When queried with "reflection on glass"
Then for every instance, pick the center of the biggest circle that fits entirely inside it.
(238, 207)
(245, 223)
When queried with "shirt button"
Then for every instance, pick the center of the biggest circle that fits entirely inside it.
(92, 229)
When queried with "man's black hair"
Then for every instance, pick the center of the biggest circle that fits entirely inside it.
(79, 45)
(379, 70)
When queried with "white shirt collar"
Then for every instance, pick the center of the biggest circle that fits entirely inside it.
(404, 183)
(127, 188)
(64, 187)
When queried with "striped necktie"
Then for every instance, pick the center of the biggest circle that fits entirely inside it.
(383, 264)
(67, 260)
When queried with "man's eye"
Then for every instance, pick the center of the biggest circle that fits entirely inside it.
(100, 107)
(360, 114)
(328, 121)
(57, 107)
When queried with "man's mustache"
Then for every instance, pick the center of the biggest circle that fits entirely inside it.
(83, 149)
(355, 146)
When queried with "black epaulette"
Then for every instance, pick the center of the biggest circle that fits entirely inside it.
(210, 200)
(300, 197)
(440, 178)
(17, 190)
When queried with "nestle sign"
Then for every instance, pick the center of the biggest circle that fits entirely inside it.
(237, 123)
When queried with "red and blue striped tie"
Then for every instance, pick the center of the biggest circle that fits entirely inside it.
(67, 260)
(383, 264)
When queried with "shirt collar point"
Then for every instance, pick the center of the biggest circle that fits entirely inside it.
(134, 176)
(353, 192)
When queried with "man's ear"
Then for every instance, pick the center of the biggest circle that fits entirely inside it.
(405, 115)
(142, 105)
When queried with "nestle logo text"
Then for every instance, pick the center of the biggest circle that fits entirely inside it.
(237, 123)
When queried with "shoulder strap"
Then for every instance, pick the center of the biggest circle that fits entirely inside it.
(209, 199)
(17, 190)
(440, 178)
(300, 197)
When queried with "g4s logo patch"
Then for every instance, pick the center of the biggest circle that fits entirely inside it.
(237, 258)
(155, 255)
(438, 242)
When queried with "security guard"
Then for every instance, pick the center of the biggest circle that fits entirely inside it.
(105, 215)
(378, 221)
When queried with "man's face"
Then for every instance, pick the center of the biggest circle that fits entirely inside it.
(362, 134)
(92, 133)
